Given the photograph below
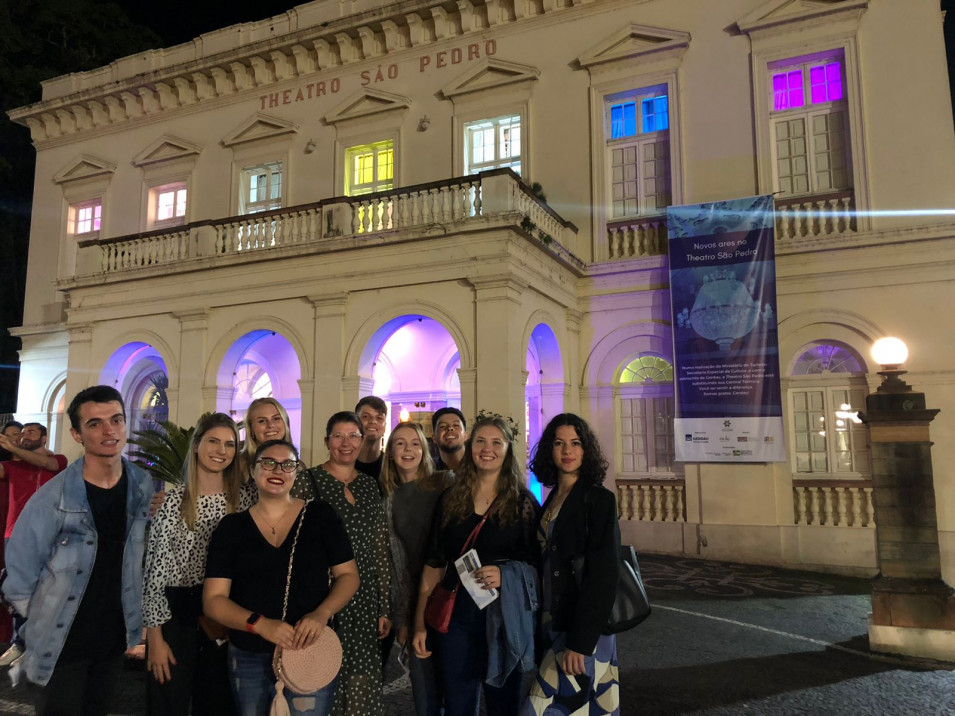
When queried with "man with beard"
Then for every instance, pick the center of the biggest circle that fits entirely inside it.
(450, 434)
(31, 466)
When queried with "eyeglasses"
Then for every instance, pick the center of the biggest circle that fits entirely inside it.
(271, 464)
(341, 437)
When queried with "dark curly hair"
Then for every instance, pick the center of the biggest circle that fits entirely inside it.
(593, 469)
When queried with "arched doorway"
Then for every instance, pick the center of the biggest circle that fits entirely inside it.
(139, 373)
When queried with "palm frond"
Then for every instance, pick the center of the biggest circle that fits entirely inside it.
(162, 448)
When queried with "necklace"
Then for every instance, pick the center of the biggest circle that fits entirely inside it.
(277, 522)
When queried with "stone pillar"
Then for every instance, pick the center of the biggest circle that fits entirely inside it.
(498, 343)
(467, 379)
(913, 610)
(80, 375)
(188, 404)
(329, 360)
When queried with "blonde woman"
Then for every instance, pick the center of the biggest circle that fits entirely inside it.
(265, 420)
(185, 663)
(412, 488)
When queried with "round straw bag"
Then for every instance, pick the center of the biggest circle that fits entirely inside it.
(307, 670)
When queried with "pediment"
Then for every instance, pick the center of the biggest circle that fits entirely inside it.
(257, 127)
(83, 167)
(367, 102)
(780, 12)
(165, 149)
(634, 41)
(490, 73)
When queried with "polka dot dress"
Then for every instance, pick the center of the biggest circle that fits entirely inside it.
(360, 680)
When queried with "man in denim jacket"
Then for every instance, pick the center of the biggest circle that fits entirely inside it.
(74, 563)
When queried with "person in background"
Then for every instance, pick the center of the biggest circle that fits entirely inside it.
(247, 572)
(75, 564)
(373, 413)
(490, 479)
(30, 467)
(11, 431)
(450, 434)
(412, 489)
(577, 529)
(356, 498)
(187, 665)
(265, 419)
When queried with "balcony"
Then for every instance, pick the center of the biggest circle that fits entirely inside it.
(490, 199)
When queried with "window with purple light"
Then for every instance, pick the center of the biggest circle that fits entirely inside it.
(825, 82)
(788, 90)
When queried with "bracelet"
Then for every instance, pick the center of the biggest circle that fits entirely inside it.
(252, 621)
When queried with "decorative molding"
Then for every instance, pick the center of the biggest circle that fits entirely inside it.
(165, 149)
(490, 73)
(83, 167)
(635, 41)
(257, 127)
(783, 12)
(366, 102)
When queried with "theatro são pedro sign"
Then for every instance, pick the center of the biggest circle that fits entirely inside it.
(382, 73)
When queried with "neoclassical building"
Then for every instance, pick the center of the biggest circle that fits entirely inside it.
(338, 200)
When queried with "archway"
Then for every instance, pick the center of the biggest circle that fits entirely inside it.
(138, 372)
(543, 391)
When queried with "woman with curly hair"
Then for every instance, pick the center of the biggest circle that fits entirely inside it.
(580, 546)
(490, 481)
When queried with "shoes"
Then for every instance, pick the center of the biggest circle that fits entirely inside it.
(11, 655)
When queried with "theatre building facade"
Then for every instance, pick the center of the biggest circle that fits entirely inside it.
(464, 203)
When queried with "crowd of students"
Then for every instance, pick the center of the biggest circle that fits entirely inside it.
(373, 531)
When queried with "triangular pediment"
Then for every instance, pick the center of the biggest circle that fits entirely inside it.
(490, 73)
(367, 102)
(257, 127)
(780, 12)
(165, 149)
(634, 41)
(83, 167)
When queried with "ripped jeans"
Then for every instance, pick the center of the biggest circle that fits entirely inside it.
(253, 686)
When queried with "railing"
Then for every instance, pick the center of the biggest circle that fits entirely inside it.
(833, 503)
(643, 236)
(649, 500)
(498, 193)
(815, 216)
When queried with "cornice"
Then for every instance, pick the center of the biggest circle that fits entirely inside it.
(254, 65)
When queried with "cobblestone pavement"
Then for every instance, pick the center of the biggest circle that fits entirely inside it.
(723, 639)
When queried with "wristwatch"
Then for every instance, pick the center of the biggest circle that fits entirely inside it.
(252, 621)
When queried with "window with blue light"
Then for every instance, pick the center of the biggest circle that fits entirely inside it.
(654, 117)
(654, 114)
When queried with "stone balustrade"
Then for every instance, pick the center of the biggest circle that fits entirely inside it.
(815, 216)
(495, 195)
(633, 238)
(833, 503)
(648, 500)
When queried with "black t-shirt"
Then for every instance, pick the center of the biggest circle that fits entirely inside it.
(258, 571)
(99, 628)
(371, 468)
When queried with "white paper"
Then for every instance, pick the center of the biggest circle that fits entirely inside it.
(466, 564)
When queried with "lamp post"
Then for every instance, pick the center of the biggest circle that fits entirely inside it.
(913, 610)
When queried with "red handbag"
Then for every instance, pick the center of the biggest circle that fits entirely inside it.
(440, 605)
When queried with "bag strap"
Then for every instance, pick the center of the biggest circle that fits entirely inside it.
(472, 538)
(288, 579)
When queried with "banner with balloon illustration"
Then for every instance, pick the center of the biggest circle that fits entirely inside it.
(726, 348)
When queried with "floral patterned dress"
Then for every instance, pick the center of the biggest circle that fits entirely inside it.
(360, 680)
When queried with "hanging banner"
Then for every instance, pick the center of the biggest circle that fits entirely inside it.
(726, 349)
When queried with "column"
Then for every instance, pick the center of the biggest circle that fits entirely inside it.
(329, 359)
(499, 387)
(187, 399)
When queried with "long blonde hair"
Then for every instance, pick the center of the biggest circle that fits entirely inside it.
(231, 477)
(251, 444)
(459, 503)
(390, 479)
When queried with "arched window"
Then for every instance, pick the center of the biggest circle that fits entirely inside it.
(645, 417)
(826, 391)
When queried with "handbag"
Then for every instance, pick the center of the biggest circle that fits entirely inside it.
(311, 668)
(440, 604)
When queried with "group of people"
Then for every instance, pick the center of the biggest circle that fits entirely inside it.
(254, 551)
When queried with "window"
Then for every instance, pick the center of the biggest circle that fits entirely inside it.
(638, 152)
(369, 168)
(809, 125)
(169, 204)
(646, 416)
(85, 218)
(827, 390)
(261, 188)
(493, 144)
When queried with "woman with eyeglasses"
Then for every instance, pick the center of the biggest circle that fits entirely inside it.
(185, 662)
(412, 488)
(367, 618)
(265, 419)
(247, 572)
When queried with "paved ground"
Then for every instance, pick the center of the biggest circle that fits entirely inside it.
(726, 639)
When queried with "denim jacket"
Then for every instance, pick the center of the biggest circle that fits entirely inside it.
(511, 619)
(50, 556)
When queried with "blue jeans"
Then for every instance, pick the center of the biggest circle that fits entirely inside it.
(425, 686)
(463, 658)
(253, 686)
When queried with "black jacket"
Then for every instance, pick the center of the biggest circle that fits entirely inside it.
(587, 527)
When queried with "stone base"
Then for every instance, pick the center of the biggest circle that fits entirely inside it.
(936, 644)
(918, 603)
